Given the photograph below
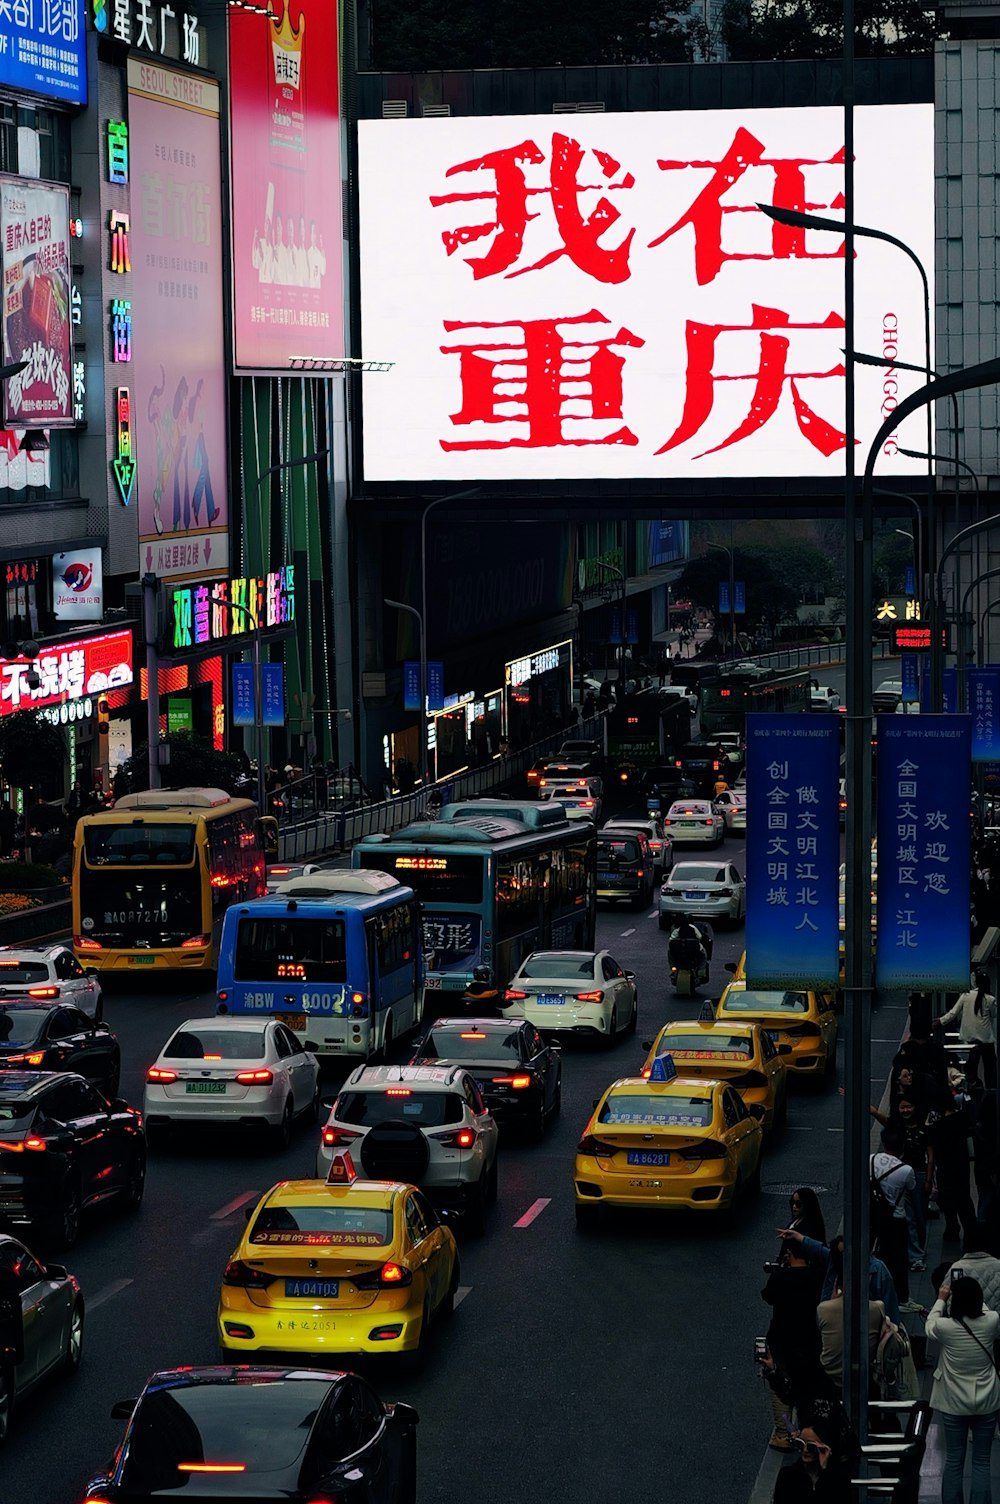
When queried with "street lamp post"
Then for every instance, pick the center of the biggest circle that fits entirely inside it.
(422, 713)
(258, 707)
(732, 593)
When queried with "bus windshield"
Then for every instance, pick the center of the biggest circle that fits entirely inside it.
(289, 949)
(139, 842)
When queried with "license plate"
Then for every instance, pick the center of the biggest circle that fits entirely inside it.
(312, 1289)
(608, 879)
(142, 960)
(696, 897)
(294, 1021)
(206, 1088)
(687, 824)
(550, 999)
(655, 1157)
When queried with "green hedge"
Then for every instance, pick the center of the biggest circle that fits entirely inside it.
(24, 877)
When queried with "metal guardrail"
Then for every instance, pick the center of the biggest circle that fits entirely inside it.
(812, 654)
(338, 830)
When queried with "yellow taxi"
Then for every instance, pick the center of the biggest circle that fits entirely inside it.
(352, 1266)
(740, 1053)
(801, 1024)
(673, 1144)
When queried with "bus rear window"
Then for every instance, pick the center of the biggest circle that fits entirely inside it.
(282, 949)
(139, 843)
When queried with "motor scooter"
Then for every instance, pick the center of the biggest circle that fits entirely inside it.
(689, 968)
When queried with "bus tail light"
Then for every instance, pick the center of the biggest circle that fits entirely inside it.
(155, 1074)
(82, 943)
(338, 1138)
(359, 1005)
(194, 941)
(255, 1078)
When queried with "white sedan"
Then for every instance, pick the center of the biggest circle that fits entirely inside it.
(51, 974)
(733, 804)
(280, 873)
(573, 992)
(233, 1070)
(693, 822)
(713, 890)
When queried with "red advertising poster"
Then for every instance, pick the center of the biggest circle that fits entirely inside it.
(34, 232)
(285, 119)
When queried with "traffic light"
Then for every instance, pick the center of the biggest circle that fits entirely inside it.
(103, 717)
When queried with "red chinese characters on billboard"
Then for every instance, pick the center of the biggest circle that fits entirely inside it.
(287, 236)
(567, 292)
(68, 671)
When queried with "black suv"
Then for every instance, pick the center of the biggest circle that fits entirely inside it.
(56, 1037)
(64, 1147)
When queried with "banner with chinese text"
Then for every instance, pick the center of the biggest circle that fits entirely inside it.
(923, 852)
(34, 233)
(690, 335)
(793, 851)
(177, 357)
(286, 215)
(983, 699)
(67, 671)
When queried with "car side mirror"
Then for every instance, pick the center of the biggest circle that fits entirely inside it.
(122, 1409)
(730, 966)
(757, 1110)
(647, 1044)
(119, 1105)
(784, 1049)
(630, 976)
(91, 971)
(56, 1271)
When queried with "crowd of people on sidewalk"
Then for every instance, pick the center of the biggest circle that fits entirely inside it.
(938, 1139)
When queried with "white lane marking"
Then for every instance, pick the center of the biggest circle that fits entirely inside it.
(653, 914)
(534, 1210)
(234, 1205)
(108, 1293)
(626, 933)
(461, 1293)
(835, 1130)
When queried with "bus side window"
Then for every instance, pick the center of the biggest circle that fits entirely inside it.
(394, 934)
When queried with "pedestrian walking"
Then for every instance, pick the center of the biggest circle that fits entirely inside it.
(662, 665)
(948, 1141)
(975, 1013)
(908, 1116)
(891, 1179)
(793, 1372)
(966, 1390)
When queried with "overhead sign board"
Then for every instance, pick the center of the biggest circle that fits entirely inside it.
(43, 49)
(915, 637)
(67, 671)
(602, 298)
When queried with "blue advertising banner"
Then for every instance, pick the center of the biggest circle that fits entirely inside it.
(615, 632)
(909, 583)
(740, 597)
(984, 707)
(632, 626)
(411, 684)
(924, 855)
(43, 49)
(724, 606)
(435, 686)
(666, 541)
(793, 851)
(272, 692)
(910, 669)
(243, 696)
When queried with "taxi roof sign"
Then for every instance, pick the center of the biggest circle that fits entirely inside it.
(342, 1171)
(663, 1068)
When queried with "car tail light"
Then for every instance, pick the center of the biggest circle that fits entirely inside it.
(590, 997)
(591, 1145)
(669, 892)
(726, 892)
(18, 1146)
(391, 1276)
(195, 940)
(462, 1138)
(640, 872)
(43, 991)
(809, 1030)
(339, 1138)
(211, 1467)
(654, 846)
(255, 1078)
(473, 1034)
(35, 1058)
(520, 1082)
(513, 995)
(399, 1091)
(82, 943)
(668, 822)
(710, 1149)
(156, 1074)
(715, 767)
(708, 822)
(245, 1276)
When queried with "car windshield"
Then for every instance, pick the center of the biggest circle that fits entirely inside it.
(139, 842)
(692, 872)
(707, 1046)
(329, 1226)
(428, 1109)
(673, 1111)
(261, 1427)
(558, 966)
(21, 1025)
(22, 973)
(216, 1044)
(740, 1001)
(469, 1044)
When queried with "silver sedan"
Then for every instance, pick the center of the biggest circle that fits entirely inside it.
(733, 804)
(714, 890)
(46, 1335)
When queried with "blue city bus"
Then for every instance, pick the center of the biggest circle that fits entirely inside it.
(496, 879)
(336, 956)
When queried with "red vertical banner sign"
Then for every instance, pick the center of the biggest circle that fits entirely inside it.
(286, 183)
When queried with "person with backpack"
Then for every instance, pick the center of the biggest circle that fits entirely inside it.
(830, 1320)
(890, 1182)
(966, 1391)
(975, 1012)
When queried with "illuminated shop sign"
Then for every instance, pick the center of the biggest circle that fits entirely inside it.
(221, 610)
(67, 671)
(523, 669)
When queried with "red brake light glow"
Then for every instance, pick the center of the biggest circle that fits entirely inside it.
(254, 1078)
(520, 1082)
(392, 1274)
(43, 991)
(590, 997)
(398, 1091)
(211, 1057)
(473, 1034)
(465, 1138)
(35, 1058)
(512, 994)
(156, 1074)
(194, 941)
(211, 1467)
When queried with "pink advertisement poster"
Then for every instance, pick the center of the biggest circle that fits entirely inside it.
(285, 131)
(174, 352)
(34, 230)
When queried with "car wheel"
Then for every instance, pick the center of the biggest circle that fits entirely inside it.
(99, 1012)
(413, 1361)
(282, 1132)
(64, 1227)
(753, 1184)
(386, 1039)
(6, 1402)
(587, 1217)
(135, 1184)
(74, 1342)
(536, 1124)
(612, 1035)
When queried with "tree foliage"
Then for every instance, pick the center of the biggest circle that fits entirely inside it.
(194, 763)
(32, 750)
(768, 598)
(754, 30)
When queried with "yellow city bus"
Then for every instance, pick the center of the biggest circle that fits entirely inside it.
(153, 878)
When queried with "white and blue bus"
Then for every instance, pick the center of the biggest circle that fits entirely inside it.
(496, 879)
(337, 956)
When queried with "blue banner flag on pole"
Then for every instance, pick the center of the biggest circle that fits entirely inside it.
(724, 606)
(909, 585)
(411, 685)
(435, 686)
(615, 633)
(243, 695)
(793, 851)
(910, 668)
(272, 693)
(632, 626)
(984, 708)
(924, 852)
(740, 597)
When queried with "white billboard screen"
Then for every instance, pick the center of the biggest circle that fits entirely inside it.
(600, 297)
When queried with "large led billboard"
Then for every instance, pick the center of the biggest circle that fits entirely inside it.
(601, 297)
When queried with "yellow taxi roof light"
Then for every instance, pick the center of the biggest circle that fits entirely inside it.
(342, 1171)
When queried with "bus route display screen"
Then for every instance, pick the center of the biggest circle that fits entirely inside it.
(451, 877)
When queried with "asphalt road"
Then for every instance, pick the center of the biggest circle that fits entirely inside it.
(578, 1365)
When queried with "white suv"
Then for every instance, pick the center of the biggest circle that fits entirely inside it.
(423, 1125)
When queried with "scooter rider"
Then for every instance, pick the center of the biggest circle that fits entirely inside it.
(686, 947)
